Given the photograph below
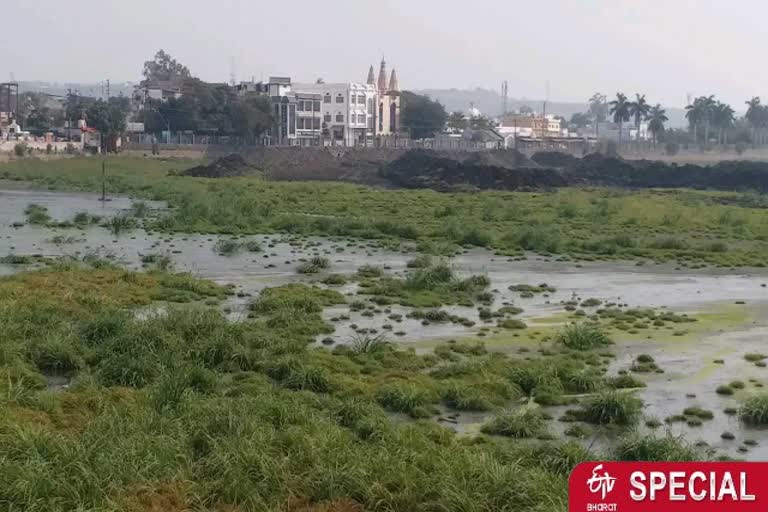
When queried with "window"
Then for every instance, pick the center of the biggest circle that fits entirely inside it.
(360, 118)
(361, 99)
(370, 105)
(339, 118)
(370, 123)
(300, 107)
(317, 106)
(327, 118)
(316, 122)
(339, 99)
(327, 98)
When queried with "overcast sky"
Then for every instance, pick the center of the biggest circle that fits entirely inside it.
(664, 48)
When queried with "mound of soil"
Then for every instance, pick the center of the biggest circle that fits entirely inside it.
(597, 169)
(554, 159)
(450, 171)
(226, 167)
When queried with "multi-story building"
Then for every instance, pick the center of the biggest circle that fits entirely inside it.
(297, 117)
(347, 111)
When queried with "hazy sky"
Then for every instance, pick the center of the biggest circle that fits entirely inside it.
(664, 48)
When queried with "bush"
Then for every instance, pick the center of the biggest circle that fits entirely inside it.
(524, 424)
(227, 247)
(755, 410)
(37, 214)
(611, 407)
(314, 265)
(741, 148)
(20, 149)
(421, 261)
(405, 397)
(582, 337)
(649, 448)
(120, 224)
(625, 382)
(370, 271)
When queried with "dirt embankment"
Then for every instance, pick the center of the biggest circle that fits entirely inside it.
(506, 170)
(360, 165)
(451, 171)
(501, 170)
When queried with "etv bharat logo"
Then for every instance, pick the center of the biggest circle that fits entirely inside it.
(601, 483)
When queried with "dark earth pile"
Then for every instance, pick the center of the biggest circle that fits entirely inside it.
(730, 175)
(226, 167)
(554, 159)
(451, 171)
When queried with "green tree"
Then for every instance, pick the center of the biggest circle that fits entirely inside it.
(657, 116)
(480, 123)
(164, 67)
(457, 122)
(580, 119)
(108, 117)
(694, 114)
(754, 116)
(526, 109)
(620, 112)
(639, 110)
(251, 116)
(422, 116)
(722, 119)
(598, 107)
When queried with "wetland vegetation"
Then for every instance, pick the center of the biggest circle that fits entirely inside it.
(135, 390)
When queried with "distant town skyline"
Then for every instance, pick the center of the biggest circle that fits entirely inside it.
(665, 50)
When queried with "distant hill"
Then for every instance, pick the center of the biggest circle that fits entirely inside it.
(489, 103)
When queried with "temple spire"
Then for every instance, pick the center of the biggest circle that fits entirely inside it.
(371, 79)
(383, 76)
(394, 85)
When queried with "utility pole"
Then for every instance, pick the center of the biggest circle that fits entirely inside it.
(69, 114)
(104, 180)
(108, 95)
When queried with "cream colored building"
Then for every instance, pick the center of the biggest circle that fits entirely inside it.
(387, 111)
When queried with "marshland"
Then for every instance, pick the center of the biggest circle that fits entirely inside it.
(244, 344)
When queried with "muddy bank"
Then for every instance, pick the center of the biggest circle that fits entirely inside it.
(226, 167)
(451, 171)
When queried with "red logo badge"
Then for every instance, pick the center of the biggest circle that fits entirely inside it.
(679, 486)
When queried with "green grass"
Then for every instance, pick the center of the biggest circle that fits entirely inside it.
(611, 408)
(755, 410)
(582, 337)
(37, 214)
(683, 225)
(523, 424)
(180, 408)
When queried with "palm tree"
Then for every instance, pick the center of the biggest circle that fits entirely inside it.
(656, 119)
(694, 114)
(722, 119)
(638, 110)
(699, 113)
(754, 115)
(620, 112)
(708, 105)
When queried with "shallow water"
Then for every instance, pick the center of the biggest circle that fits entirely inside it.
(687, 364)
